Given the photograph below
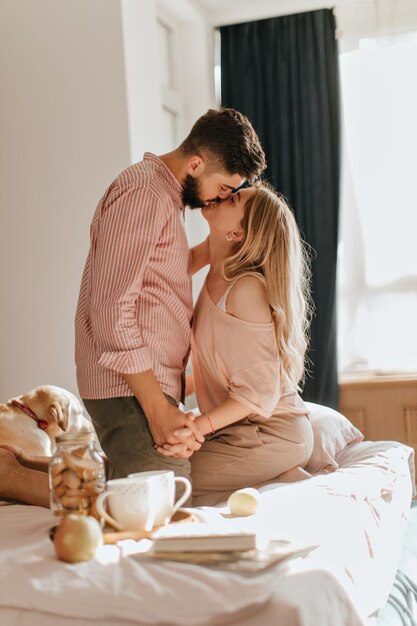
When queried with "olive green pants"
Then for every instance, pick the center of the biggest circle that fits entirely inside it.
(124, 435)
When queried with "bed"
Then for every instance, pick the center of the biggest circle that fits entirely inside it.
(401, 606)
(356, 516)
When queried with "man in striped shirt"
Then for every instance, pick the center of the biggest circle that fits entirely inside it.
(135, 305)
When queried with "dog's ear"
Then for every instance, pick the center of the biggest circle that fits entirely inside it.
(59, 412)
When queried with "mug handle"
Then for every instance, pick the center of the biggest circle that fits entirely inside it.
(100, 509)
(185, 495)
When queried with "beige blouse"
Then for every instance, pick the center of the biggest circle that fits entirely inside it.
(234, 358)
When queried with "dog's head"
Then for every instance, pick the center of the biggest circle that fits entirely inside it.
(59, 407)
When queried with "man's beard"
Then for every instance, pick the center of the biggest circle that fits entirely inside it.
(191, 193)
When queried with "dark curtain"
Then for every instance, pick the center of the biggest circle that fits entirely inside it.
(283, 74)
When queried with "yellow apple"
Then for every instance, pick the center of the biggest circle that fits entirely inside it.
(77, 538)
(244, 502)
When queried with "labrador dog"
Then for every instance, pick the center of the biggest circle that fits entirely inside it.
(33, 420)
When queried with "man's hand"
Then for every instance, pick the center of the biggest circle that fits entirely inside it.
(164, 423)
(163, 417)
(181, 450)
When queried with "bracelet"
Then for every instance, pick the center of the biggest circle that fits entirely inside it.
(210, 422)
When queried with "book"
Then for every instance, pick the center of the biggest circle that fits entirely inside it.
(244, 562)
(201, 538)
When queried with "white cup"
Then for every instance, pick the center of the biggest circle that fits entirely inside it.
(132, 504)
(162, 484)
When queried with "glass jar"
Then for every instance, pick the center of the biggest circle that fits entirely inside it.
(76, 474)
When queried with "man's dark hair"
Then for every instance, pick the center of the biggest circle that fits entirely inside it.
(230, 141)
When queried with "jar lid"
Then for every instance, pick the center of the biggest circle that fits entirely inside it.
(82, 437)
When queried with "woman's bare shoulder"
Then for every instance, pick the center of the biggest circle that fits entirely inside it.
(248, 300)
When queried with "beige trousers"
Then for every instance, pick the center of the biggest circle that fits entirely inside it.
(251, 453)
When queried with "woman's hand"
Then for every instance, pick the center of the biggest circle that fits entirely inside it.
(166, 422)
(178, 450)
(183, 449)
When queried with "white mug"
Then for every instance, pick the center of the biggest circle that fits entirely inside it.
(162, 484)
(132, 504)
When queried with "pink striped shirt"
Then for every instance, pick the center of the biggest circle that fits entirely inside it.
(135, 304)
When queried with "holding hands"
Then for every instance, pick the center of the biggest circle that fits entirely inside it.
(188, 436)
(175, 433)
(189, 439)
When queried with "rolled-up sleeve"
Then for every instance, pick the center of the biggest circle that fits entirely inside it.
(124, 238)
(257, 387)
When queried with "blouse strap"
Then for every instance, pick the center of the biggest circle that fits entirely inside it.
(221, 304)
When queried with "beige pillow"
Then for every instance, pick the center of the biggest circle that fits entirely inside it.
(332, 433)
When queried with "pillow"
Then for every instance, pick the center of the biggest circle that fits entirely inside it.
(332, 433)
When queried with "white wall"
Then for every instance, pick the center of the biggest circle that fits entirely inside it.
(195, 73)
(80, 101)
(64, 136)
(197, 62)
(140, 38)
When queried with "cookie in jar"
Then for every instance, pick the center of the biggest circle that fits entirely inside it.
(76, 474)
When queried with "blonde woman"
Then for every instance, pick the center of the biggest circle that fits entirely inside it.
(248, 350)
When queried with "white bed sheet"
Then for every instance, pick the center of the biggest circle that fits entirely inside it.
(357, 517)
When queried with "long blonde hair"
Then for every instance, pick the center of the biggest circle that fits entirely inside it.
(272, 246)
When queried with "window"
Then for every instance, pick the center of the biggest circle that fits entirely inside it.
(377, 281)
(171, 100)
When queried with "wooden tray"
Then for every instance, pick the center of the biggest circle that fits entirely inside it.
(111, 536)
